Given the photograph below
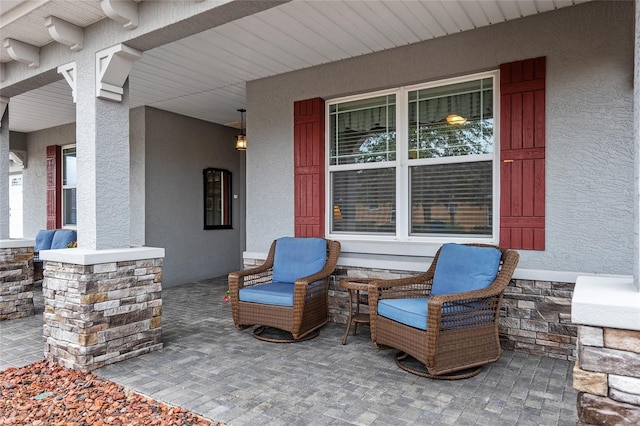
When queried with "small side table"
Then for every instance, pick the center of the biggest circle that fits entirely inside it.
(355, 285)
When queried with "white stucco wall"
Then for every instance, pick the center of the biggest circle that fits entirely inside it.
(589, 131)
(178, 148)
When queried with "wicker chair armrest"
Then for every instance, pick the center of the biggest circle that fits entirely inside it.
(249, 277)
(318, 276)
(463, 310)
(258, 270)
(414, 286)
(466, 296)
(252, 276)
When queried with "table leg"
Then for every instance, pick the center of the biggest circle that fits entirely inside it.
(355, 327)
(346, 332)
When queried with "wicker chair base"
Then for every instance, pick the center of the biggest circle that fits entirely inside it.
(258, 334)
(463, 374)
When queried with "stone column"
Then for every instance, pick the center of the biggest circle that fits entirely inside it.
(16, 256)
(16, 279)
(101, 307)
(607, 370)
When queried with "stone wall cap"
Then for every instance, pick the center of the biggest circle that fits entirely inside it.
(17, 243)
(606, 301)
(80, 256)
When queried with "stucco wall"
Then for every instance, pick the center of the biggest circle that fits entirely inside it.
(137, 175)
(177, 150)
(34, 183)
(589, 131)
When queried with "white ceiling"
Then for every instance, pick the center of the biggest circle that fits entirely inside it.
(204, 75)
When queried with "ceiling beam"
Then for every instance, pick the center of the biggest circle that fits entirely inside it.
(23, 52)
(122, 11)
(65, 32)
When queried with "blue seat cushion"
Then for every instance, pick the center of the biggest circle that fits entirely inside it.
(298, 257)
(464, 268)
(274, 293)
(411, 312)
(62, 238)
(43, 239)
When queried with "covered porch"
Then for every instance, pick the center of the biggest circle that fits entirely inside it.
(592, 132)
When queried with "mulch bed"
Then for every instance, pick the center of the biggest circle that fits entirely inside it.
(45, 393)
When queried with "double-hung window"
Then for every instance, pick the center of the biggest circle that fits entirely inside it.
(415, 163)
(69, 214)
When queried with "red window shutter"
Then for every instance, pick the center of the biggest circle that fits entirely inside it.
(308, 167)
(54, 187)
(522, 154)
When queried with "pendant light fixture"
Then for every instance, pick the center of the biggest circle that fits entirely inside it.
(455, 119)
(241, 140)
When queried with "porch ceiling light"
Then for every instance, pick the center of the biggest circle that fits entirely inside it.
(456, 119)
(241, 139)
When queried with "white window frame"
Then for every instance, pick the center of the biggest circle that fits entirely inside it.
(63, 186)
(401, 242)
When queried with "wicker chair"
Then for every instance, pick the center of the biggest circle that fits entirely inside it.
(453, 335)
(307, 306)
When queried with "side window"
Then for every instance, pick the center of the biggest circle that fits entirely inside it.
(69, 212)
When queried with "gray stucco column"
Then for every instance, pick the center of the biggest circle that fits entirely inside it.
(4, 173)
(102, 155)
(636, 115)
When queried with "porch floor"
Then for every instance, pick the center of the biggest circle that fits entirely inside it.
(210, 368)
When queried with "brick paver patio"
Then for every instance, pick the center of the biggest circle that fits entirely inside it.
(209, 367)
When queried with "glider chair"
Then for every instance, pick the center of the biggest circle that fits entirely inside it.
(289, 291)
(447, 318)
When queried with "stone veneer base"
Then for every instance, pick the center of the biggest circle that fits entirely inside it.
(607, 370)
(16, 281)
(101, 313)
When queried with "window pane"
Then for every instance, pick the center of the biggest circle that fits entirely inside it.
(68, 186)
(69, 167)
(69, 206)
(363, 131)
(364, 201)
(451, 120)
(452, 199)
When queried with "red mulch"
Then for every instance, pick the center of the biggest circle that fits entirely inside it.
(45, 393)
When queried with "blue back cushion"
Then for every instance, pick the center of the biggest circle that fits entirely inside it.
(62, 238)
(464, 268)
(43, 239)
(298, 257)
